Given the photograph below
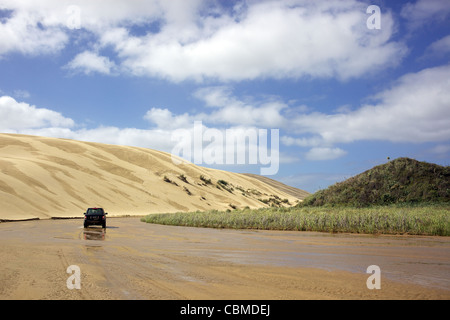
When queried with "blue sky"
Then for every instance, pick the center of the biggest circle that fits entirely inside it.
(342, 96)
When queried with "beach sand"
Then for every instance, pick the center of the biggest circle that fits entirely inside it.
(136, 260)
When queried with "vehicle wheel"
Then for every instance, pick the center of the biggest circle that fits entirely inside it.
(104, 225)
(85, 225)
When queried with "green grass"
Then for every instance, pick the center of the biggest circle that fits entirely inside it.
(403, 196)
(414, 220)
(402, 180)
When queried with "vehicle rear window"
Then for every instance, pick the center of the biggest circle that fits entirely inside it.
(95, 211)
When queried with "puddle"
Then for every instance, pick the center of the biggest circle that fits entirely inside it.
(98, 234)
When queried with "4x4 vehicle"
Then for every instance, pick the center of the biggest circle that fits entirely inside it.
(95, 216)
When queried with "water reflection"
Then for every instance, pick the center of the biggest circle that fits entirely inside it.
(94, 233)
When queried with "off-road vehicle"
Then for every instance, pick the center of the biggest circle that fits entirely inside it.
(95, 216)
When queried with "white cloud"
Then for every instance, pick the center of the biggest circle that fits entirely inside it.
(157, 139)
(26, 33)
(274, 39)
(21, 116)
(198, 39)
(218, 96)
(415, 109)
(228, 110)
(267, 115)
(425, 11)
(94, 15)
(163, 118)
(90, 62)
(45, 26)
(439, 47)
(325, 153)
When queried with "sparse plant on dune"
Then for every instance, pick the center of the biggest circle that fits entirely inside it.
(205, 180)
(183, 178)
(187, 191)
(166, 179)
(222, 184)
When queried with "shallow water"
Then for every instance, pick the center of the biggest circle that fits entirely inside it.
(420, 260)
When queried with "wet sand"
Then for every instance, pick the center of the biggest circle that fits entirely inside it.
(135, 260)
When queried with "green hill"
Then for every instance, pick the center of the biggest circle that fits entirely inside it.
(402, 180)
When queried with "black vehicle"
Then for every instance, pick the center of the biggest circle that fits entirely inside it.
(95, 216)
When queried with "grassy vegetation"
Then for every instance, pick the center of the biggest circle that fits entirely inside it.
(402, 180)
(403, 196)
(394, 219)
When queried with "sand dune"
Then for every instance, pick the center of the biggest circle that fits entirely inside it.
(48, 177)
(297, 193)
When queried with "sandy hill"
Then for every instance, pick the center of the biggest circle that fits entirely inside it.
(402, 180)
(295, 192)
(47, 177)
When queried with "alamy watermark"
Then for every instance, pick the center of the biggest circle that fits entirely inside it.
(74, 281)
(374, 21)
(235, 146)
(374, 281)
